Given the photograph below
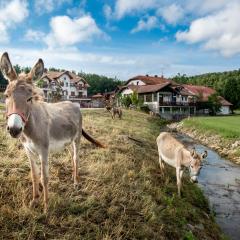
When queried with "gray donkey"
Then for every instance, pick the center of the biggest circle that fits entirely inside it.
(42, 127)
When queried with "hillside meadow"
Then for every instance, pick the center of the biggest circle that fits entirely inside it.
(122, 193)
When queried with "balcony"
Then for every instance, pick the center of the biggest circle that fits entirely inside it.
(177, 104)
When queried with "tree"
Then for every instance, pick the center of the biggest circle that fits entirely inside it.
(214, 103)
(232, 91)
(134, 98)
(126, 101)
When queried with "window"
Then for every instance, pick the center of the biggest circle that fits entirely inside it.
(66, 84)
(72, 93)
(137, 82)
(148, 97)
(155, 97)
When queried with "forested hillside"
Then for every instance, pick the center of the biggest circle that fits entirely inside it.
(227, 84)
(100, 84)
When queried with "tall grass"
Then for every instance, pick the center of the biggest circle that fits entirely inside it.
(122, 194)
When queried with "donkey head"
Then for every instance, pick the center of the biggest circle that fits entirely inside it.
(20, 94)
(196, 164)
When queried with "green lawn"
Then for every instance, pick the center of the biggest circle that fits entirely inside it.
(227, 127)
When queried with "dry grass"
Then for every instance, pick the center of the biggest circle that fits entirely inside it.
(122, 194)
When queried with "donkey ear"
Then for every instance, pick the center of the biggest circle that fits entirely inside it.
(204, 155)
(37, 71)
(193, 152)
(7, 69)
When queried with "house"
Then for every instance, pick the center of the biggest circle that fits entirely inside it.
(66, 85)
(98, 101)
(204, 93)
(166, 97)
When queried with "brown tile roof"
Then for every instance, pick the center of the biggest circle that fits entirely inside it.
(150, 80)
(98, 95)
(224, 102)
(148, 88)
(53, 76)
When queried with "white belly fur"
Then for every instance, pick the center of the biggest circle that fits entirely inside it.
(170, 162)
(54, 145)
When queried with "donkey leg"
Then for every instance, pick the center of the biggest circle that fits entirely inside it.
(179, 183)
(75, 160)
(44, 178)
(35, 178)
(161, 164)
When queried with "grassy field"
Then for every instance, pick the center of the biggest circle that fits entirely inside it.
(122, 194)
(227, 127)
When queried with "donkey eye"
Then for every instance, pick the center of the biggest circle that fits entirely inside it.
(29, 99)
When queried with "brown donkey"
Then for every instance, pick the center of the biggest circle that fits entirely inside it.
(42, 127)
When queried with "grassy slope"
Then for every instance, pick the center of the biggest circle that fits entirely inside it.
(227, 127)
(122, 194)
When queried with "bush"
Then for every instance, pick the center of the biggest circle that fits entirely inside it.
(126, 101)
(145, 108)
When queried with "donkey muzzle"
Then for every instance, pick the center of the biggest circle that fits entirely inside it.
(14, 132)
(194, 179)
(15, 125)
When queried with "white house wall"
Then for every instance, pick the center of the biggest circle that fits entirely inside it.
(136, 82)
(225, 110)
(127, 91)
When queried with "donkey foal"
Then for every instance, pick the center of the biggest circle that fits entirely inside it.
(42, 127)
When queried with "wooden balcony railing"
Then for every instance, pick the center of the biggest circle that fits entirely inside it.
(177, 104)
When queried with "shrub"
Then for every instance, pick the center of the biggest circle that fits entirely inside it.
(145, 108)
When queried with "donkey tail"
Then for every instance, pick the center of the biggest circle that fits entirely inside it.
(92, 140)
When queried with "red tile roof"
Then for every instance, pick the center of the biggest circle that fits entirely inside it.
(150, 80)
(204, 93)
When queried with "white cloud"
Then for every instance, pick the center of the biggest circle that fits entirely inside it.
(11, 13)
(47, 6)
(124, 7)
(172, 13)
(107, 11)
(66, 31)
(150, 23)
(34, 36)
(219, 31)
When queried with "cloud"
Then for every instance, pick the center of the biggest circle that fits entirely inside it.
(66, 31)
(172, 13)
(219, 31)
(150, 23)
(11, 13)
(47, 6)
(125, 7)
(34, 36)
(107, 11)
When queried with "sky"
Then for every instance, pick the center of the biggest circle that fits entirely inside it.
(123, 38)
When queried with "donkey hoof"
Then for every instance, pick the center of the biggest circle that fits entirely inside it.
(33, 203)
(76, 185)
(45, 210)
